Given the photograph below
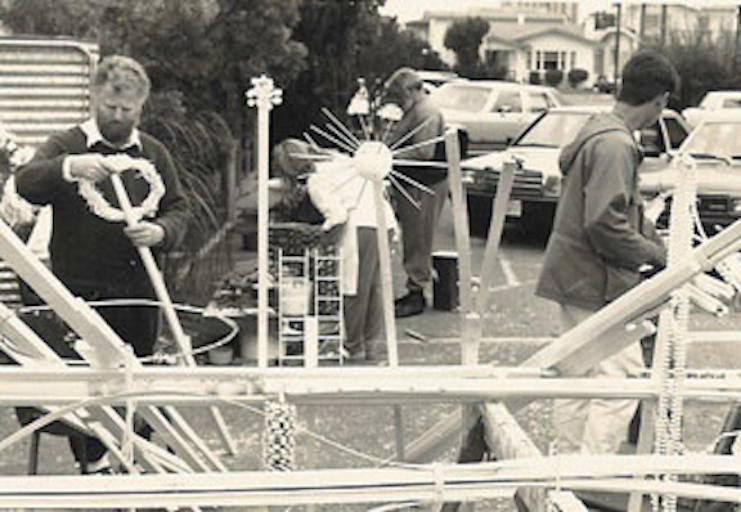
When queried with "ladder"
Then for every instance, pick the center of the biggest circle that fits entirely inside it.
(310, 322)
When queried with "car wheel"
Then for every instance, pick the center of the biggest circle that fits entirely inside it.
(479, 215)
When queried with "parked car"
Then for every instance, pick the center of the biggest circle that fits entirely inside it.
(712, 101)
(491, 113)
(537, 185)
(716, 148)
(432, 80)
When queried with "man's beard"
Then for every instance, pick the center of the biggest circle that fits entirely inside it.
(116, 132)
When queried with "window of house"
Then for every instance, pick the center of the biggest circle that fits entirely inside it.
(529, 61)
(651, 23)
(550, 60)
(599, 62)
(538, 60)
(563, 61)
(508, 101)
(573, 60)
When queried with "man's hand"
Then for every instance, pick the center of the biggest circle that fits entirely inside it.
(90, 166)
(145, 234)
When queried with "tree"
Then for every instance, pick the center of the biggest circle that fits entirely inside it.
(346, 40)
(464, 38)
(553, 77)
(702, 65)
(577, 76)
(227, 41)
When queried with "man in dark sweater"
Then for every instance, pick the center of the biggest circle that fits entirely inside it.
(96, 258)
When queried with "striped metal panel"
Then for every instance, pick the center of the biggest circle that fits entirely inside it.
(44, 86)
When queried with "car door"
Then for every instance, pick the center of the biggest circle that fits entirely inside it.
(658, 140)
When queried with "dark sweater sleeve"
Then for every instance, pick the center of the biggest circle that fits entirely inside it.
(174, 211)
(607, 207)
(40, 180)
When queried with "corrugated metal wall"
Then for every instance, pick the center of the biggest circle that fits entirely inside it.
(44, 86)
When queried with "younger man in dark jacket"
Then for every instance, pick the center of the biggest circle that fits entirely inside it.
(600, 239)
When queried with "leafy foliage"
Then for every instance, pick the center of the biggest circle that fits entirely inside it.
(346, 40)
(702, 65)
(577, 76)
(553, 77)
(464, 38)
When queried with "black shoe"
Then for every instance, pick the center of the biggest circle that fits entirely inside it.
(413, 303)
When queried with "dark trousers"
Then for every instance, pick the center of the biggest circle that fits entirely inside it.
(138, 326)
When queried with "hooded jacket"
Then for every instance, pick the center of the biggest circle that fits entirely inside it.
(600, 238)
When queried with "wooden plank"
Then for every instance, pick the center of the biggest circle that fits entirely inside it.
(585, 345)
(507, 440)
(496, 228)
(105, 348)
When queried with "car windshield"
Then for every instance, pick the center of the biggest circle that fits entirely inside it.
(461, 97)
(715, 139)
(554, 129)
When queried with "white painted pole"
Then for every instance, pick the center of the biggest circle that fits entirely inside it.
(387, 288)
(263, 95)
(160, 290)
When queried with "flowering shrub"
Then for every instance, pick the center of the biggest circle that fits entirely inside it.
(14, 210)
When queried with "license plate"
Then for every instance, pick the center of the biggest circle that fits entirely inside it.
(514, 208)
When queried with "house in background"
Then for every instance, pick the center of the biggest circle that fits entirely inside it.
(531, 36)
(521, 39)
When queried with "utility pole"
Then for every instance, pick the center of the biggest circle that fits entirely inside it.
(736, 68)
(664, 9)
(618, 24)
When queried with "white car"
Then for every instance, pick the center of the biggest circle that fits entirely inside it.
(491, 113)
(537, 185)
(432, 80)
(711, 102)
(715, 147)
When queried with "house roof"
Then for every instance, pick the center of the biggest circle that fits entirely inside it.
(623, 32)
(495, 15)
(520, 35)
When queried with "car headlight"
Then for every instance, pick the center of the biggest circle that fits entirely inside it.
(736, 205)
(468, 176)
(552, 185)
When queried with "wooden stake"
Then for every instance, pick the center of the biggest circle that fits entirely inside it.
(160, 290)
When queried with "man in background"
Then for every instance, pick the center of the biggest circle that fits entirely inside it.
(418, 222)
(600, 240)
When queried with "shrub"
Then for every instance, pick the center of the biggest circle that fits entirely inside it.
(535, 78)
(577, 76)
(553, 77)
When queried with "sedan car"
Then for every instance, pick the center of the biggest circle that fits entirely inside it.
(715, 147)
(713, 101)
(491, 113)
(537, 184)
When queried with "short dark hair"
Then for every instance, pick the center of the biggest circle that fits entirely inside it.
(646, 75)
